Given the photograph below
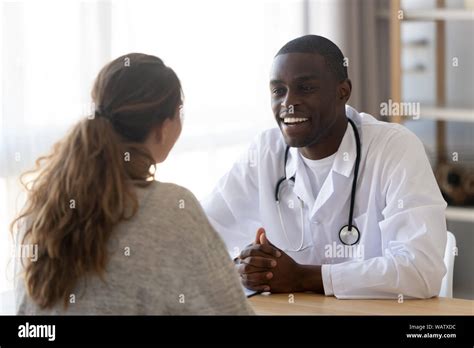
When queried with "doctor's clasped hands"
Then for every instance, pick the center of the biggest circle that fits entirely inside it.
(264, 267)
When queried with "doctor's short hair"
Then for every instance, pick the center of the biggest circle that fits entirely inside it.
(320, 45)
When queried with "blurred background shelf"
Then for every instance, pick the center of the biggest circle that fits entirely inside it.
(438, 34)
(444, 14)
(447, 114)
(465, 214)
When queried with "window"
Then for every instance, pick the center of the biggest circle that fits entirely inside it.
(221, 50)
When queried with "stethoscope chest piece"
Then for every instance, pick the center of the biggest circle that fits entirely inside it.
(349, 237)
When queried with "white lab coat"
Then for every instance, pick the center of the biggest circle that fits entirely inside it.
(399, 211)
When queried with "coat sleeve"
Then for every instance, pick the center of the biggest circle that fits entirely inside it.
(413, 231)
(233, 206)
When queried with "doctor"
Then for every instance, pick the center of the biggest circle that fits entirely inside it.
(334, 201)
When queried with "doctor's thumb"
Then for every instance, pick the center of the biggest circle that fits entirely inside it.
(263, 239)
(258, 237)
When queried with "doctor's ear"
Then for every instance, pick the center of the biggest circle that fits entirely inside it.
(344, 90)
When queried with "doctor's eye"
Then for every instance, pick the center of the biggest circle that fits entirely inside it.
(278, 91)
(308, 88)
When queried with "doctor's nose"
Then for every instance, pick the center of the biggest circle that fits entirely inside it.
(289, 101)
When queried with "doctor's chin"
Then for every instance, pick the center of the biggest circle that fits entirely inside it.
(200, 166)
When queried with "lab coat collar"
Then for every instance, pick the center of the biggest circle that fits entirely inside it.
(343, 165)
(346, 153)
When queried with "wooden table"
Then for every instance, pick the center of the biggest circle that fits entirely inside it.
(317, 304)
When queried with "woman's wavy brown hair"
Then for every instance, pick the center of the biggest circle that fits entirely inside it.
(85, 186)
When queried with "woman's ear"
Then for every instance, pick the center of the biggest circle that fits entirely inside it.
(167, 132)
(161, 133)
(163, 137)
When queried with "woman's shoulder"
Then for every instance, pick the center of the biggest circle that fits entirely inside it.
(166, 193)
(172, 201)
(173, 206)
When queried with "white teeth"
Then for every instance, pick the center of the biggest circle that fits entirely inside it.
(290, 120)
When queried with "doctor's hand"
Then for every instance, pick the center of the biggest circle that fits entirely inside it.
(255, 263)
(268, 272)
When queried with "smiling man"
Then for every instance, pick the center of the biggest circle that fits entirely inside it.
(336, 201)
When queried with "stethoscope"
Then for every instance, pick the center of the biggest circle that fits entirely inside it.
(348, 234)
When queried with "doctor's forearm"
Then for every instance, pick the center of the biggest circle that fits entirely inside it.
(311, 278)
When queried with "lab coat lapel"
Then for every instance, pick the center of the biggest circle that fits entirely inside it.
(337, 186)
(302, 186)
(327, 190)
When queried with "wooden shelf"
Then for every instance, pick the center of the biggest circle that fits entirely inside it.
(443, 14)
(447, 114)
(460, 214)
(432, 15)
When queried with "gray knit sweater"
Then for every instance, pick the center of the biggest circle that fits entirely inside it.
(166, 260)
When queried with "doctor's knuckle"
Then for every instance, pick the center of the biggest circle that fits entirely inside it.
(246, 268)
(254, 282)
(262, 248)
(248, 253)
(252, 260)
(253, 277)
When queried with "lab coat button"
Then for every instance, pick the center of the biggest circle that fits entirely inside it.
(317, 222)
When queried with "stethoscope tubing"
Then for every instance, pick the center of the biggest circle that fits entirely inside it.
(353, 191)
